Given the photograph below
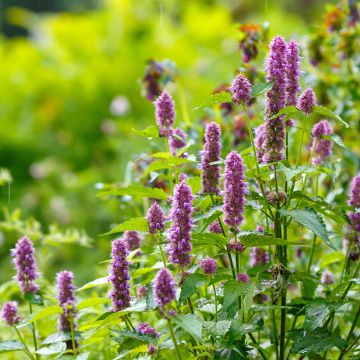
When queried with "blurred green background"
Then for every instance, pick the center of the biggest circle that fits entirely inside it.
(70, 94)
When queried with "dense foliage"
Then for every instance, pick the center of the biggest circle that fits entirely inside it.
(241, 231)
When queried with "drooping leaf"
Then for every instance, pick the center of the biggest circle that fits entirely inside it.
(96, 282)
(218, 98)
(322, 110)
(92, 302)
(191, 285)
(10, 345)
(52, 349)
(138, 224)
(312, 221)
(59, 337)
(135, 191)
(317, 341)
(44, 313)
(151, 132)
(261, 88)
(337, 140)
(190, 323)
(169, 163)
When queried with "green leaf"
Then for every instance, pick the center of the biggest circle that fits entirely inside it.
(247, 302)
(218, 98)
(135, 191)
(291, 173)
(34, 298)
(139, 224)
(208, 239)
(96, 282)
(315, 316)
(251, 239)
(92, 302)
(10, 345)
(238, 328)
(191, 285)
(151, 132)
(55, 348)
(337, 140)
(331, 258)
(219, 328)
(322, 110)
(261, 88)
(59, 337)
(286, 110)
(232, 290)
(190, 323)
(168, 163)
(311, 220)
(44, 313)
(317, 341)
(195, 184)
(125, 334)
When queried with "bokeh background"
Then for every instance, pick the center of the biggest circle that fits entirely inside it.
(72, 90)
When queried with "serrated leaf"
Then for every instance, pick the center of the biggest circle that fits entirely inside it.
(251, 239)
(261, 88)
(168, 163)
(55, 348)
(315, 316)
(124, 334)
(218, 98)
(151, 132)
(135, 191)
(312, 221)
(96, 282)
(208, 239)
(232, 290)
(286, 110)
(337, 140)
(317, 341)
(190, 323)
(219, 328)
(191, 285)
(322, 110)
(10, 345)
(138, 224)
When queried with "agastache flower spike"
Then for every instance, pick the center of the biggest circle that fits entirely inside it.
(164, 288)
(355, 192)
(292, 72)
(234, 190)
(9, 313)
(132, 239)
(323, 147)
(275, 100)
(24, 260)
(208, 266)
(210, 175)
(165, 113)
(240, 89)
(177, 140)
(66, 298)
(146, 329)
(155, 218)
(180, 229)
(119, 276)
(307, 101)
(260, 135)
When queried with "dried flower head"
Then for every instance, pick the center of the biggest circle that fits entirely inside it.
(234, 190)
(164, 288)
(307, 101)
(119, 276)
(9, 313)
(210, 175)
(165, 113)
(208, 266)
(24, 260)
(180, 229)
(66, 299)
(240, 89)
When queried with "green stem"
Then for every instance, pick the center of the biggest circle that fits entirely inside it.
(26, 349)
(129, 321)
(343, 352)
(260, 350)
(173, 338)
(72, 336)
(171, 183)
(161, 251)
(215, 299)
(34, 333)
(312, 254)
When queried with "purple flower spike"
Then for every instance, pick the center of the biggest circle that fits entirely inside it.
(66, 298)
(208, 266)
(292, 72)
(275, 100)
(307, 101)
(146, 329)
(164, 288)
(24, 260)
(258, 256)
(240, 89)
(165, 113)
(156, 218)
(243, 277)
(180, 229)
(9, 313)
(260, 135)
(119, 276)
(177, 140)
(215, 227)
(210, 175)
(236, 246)
(323, 147)
(132, 239)
(234, 190)
(355, 192)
